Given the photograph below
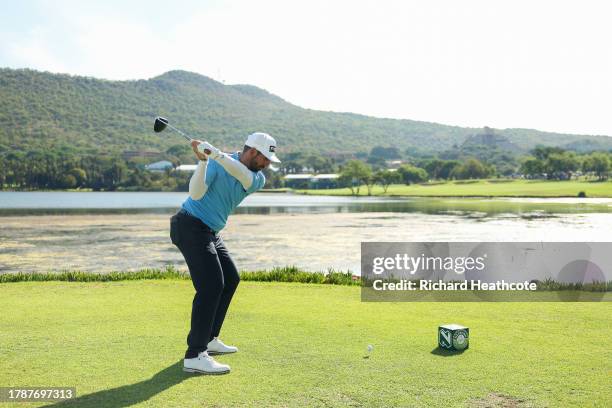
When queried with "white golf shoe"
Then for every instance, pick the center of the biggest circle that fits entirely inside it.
(216, 346)
(204, 364)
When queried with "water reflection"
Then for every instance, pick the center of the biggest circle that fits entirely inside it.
(102, 243)
(57, 203)
(103, 232)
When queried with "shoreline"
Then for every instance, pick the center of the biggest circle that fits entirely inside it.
(348, 194)
(480, 188)
(451, 196)
(483, 188)
(287, 274)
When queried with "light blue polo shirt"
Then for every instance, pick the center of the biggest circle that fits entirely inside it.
(223, 195)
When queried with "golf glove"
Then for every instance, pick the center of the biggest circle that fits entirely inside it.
(214, 152)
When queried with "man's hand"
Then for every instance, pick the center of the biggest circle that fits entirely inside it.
(200, 154)
(212, 151)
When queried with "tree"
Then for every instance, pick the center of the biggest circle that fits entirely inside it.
(558, 163)
(598, 163)
(377, 162)
(370, 181)
(294, 162)
(472, 169)
(79, 175)
(532, 166)
(353, 174)
(386, 177)
(179, 150)
(274, 179)
(542, 153)
(114, 175)
(437, 168)
(432, 166)
(388, 153)
(412, 174)
(319, 164)
(68, 181)
(447, 169)
(140, 178)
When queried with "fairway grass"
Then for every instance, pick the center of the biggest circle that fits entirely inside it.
(485, 188)
(121, 344)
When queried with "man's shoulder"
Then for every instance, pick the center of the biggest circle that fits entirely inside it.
(236, 155)
(260, 179)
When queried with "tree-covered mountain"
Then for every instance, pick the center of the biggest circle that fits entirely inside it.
(488, 138)
(87, 115)
(489, 147)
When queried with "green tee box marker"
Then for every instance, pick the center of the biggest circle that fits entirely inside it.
(453, 337)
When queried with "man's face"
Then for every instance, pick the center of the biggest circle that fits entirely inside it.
(256, 161)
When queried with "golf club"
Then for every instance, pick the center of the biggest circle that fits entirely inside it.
(161, 123)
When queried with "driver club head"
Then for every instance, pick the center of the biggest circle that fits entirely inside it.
(160, 124)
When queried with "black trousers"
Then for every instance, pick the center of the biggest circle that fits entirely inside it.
(213, 274)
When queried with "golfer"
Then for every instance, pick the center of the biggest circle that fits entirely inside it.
(220, 182)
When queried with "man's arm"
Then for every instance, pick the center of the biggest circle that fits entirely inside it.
(197, 183)
(234, 167)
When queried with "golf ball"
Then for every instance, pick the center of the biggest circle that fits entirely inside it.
(370, 347)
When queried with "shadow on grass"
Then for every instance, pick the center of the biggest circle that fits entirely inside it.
(446, 353)
(128, 395)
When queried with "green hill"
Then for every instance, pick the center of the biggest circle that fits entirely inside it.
(88, 115)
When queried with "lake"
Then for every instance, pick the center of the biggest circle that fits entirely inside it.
(105, 231)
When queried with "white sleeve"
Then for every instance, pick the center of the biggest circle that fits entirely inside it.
(197, 183)
(235, 168)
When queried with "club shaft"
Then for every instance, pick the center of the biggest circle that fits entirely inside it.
(184, 135)
(179, 131)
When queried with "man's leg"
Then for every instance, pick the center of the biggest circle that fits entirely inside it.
(231, 279)
(199, 251)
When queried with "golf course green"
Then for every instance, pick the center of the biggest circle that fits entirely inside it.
(484, 188)
(121, 344)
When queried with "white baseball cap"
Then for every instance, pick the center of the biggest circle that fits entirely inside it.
(265, 144)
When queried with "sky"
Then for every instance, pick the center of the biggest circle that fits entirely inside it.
(543, 65)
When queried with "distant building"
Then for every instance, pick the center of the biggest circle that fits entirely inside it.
(324, 181)
(540, 176)
(159, 166)
(297, 180)
(186, 167)
(128, 154)
(393, 164)
(314, 181)
(298, 177)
